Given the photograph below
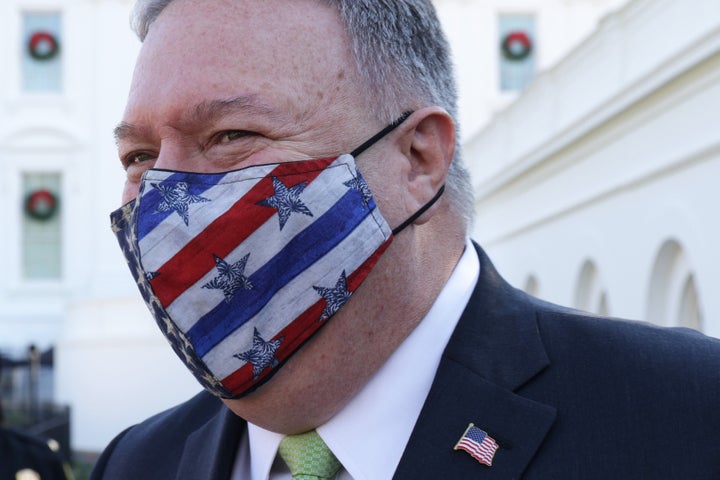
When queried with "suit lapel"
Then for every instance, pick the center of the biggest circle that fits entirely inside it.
(210, 451)
(495, 349)
(517, 424)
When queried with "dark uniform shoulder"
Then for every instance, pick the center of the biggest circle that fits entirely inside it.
(26, 457)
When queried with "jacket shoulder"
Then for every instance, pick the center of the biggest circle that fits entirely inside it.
(649, 387)
(151, 448)
(636, 343)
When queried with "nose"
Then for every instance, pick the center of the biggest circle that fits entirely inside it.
(173, 156)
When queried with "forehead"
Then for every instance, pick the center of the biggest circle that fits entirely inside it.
(292, 55)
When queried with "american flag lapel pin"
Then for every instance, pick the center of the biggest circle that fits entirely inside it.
(478, 444)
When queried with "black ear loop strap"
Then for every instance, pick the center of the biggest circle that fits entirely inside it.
(377, 137)
(380, 134)
(417, 214)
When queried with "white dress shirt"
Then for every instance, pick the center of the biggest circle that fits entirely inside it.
(369, 434)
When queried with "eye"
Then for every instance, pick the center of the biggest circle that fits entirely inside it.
(231, 135)
(136, 159)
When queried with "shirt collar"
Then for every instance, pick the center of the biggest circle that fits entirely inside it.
(388, 406)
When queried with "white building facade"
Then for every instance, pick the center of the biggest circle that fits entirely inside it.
(596, 188)
(476, 28)
(56, 112)
(67, 65)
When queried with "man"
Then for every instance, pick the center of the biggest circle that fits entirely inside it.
(23, 457)
(248, 230)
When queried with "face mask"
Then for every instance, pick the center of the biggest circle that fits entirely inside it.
(240, 269)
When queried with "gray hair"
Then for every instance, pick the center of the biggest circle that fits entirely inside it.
(402, 56)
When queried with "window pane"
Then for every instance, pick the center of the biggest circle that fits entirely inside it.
(517, 51)
(42, 52)
(42, 228)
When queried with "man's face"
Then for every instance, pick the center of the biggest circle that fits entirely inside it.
(221, 85)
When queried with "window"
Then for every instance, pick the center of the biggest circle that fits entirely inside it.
(590, 295)
(41, 227)
(41, 59)
(517, 51)
(674, 298)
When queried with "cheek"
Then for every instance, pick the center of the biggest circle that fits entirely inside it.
(387, 187)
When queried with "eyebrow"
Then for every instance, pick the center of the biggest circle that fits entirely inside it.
(126, 130)
(205, 113)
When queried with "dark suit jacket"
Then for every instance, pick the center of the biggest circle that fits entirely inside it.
(566, 395)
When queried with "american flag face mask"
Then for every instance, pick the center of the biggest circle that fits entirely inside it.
(239, 269)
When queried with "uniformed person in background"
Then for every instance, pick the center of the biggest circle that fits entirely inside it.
(23, 457)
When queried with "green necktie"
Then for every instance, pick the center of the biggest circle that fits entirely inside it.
(308, 457)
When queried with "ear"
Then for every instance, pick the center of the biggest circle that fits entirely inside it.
(428, 142)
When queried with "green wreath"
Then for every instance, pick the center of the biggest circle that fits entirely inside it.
(516, 46)
(43, 46)
(41, 204)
